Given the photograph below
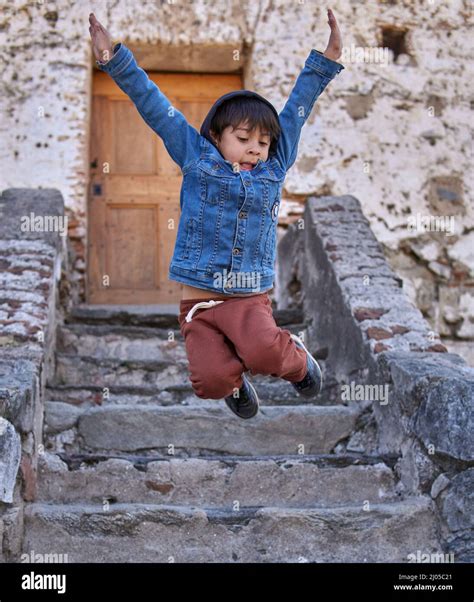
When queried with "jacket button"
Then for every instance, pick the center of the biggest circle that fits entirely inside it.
(236, 251)
(242, 214)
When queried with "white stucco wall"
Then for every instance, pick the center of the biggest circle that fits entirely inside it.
(383, 133)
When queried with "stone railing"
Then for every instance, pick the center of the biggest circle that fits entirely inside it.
(372, 341)
(32, 254)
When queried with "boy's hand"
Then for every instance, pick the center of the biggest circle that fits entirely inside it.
(101, 40)
(334, 47)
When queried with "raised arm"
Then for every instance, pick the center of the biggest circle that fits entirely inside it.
(182, 141)
(319, 69)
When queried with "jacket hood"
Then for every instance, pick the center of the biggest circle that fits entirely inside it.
(205, 127)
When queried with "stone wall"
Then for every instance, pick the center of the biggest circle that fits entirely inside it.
(395, 134)
(376, 341)
(31, 264)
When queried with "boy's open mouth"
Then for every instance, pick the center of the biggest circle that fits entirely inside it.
(247, 165)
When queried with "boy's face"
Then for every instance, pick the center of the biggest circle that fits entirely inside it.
(243, 147)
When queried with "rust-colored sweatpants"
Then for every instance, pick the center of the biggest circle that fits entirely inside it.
(227, 337)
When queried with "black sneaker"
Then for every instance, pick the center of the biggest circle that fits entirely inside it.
(245, 405)
(312, 383)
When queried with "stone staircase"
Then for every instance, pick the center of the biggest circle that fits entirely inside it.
(136, 468)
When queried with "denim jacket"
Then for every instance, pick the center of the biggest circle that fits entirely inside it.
(226, 239)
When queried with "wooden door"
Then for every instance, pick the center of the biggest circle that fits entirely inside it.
(133, 200)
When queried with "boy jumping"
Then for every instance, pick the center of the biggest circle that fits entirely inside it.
(224, 255)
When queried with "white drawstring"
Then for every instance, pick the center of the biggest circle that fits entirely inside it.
(200, 304)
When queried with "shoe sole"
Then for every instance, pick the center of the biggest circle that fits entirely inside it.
(256, 398)
(315, 363)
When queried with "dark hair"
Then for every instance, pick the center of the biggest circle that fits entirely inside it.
(244, 109)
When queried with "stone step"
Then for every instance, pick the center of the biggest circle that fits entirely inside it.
(154, 316)
(207, 429)
(105, 341)
(87, 396)
(270, 390)
(86, 370)
(279, 481)
(84, 380)
(120, 342)
(155, 375)
(385, 532)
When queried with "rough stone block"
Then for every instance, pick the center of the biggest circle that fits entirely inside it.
(10, 453)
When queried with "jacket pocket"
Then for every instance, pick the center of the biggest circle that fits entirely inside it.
(190, 239)
(268, 258)
(214, 188)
